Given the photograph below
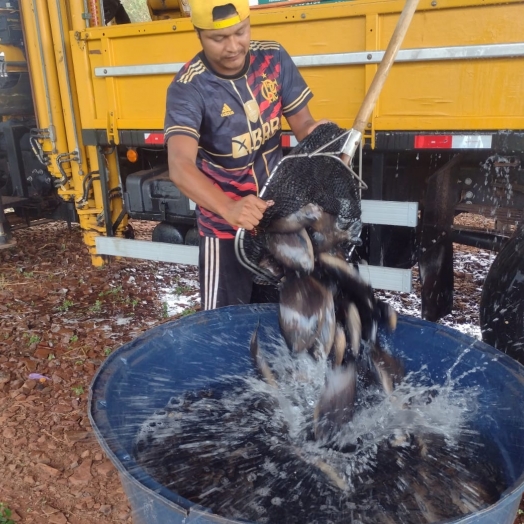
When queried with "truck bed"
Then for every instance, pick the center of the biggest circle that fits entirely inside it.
(461, 66)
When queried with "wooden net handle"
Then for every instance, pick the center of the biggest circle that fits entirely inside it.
(375, 88)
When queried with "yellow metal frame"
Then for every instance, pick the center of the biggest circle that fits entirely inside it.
(48, 25)
(430, 96)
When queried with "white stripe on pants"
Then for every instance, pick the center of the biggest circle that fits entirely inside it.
(212, 269)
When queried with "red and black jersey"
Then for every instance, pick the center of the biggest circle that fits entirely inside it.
(236, 121)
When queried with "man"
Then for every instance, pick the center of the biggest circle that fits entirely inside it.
(222, 130)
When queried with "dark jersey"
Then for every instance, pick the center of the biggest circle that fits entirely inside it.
(237, 121)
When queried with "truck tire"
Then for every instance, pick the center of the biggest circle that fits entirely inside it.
(502, 300)
(169, 233)
(192, 237)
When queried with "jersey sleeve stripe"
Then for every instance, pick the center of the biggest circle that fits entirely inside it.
(192, 71)
(297, 101)
(229, 155)
(181, 130)
(264, 44)
(195, 73)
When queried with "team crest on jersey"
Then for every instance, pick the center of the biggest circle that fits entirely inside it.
(269, 90)
(227, 111)
(252, 110)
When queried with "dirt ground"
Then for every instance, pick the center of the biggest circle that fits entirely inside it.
(60, 318)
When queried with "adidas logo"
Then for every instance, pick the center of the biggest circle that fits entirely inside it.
(227, 111)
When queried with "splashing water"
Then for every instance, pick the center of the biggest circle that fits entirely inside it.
(245, 449)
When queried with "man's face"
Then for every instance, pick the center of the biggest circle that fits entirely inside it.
(226, 49)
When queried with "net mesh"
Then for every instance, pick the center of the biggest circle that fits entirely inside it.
(310, 173)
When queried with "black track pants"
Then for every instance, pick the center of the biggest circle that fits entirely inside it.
(224, 281)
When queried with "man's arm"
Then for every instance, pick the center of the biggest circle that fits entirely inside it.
(182, 152)
(303, 123)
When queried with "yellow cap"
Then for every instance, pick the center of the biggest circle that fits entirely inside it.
(202, 13)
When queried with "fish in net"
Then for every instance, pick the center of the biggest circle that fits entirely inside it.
(302, 245)
(312, 178)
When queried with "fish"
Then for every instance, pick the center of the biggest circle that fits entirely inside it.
(353, 328)
(339, 345)
(357, 291)
(293, 250)
(471, 496)
(326, 336)
(294, 222)
(272, 267)
(302, 311)
(324, 233)
(327, 234)
(353, 288)
(383, 518)
(387, 316)
(336, 405)
(327, 309)
(345, 274)
(400, 439)
(260, 362)
(388, 369)
(428, 506)
(330, 472)
(332, 475)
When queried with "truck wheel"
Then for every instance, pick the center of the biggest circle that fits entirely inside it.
(169, 233)
(192, 237)
(502, 300)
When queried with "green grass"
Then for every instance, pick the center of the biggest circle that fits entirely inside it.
(5, 514)
(116, 296)
(165, 310)
(66, 304)
(188, 311)
(33, 339)
(114, 291)
(96, 307)
(133, 302)
(78, 390)
(181, 289)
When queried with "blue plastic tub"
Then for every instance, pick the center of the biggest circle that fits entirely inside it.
(144, 374)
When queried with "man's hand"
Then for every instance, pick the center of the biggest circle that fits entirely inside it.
(246, 212)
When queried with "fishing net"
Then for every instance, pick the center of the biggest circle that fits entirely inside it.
(312, 173)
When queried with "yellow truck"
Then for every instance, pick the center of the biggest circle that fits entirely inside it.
(82, 97)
